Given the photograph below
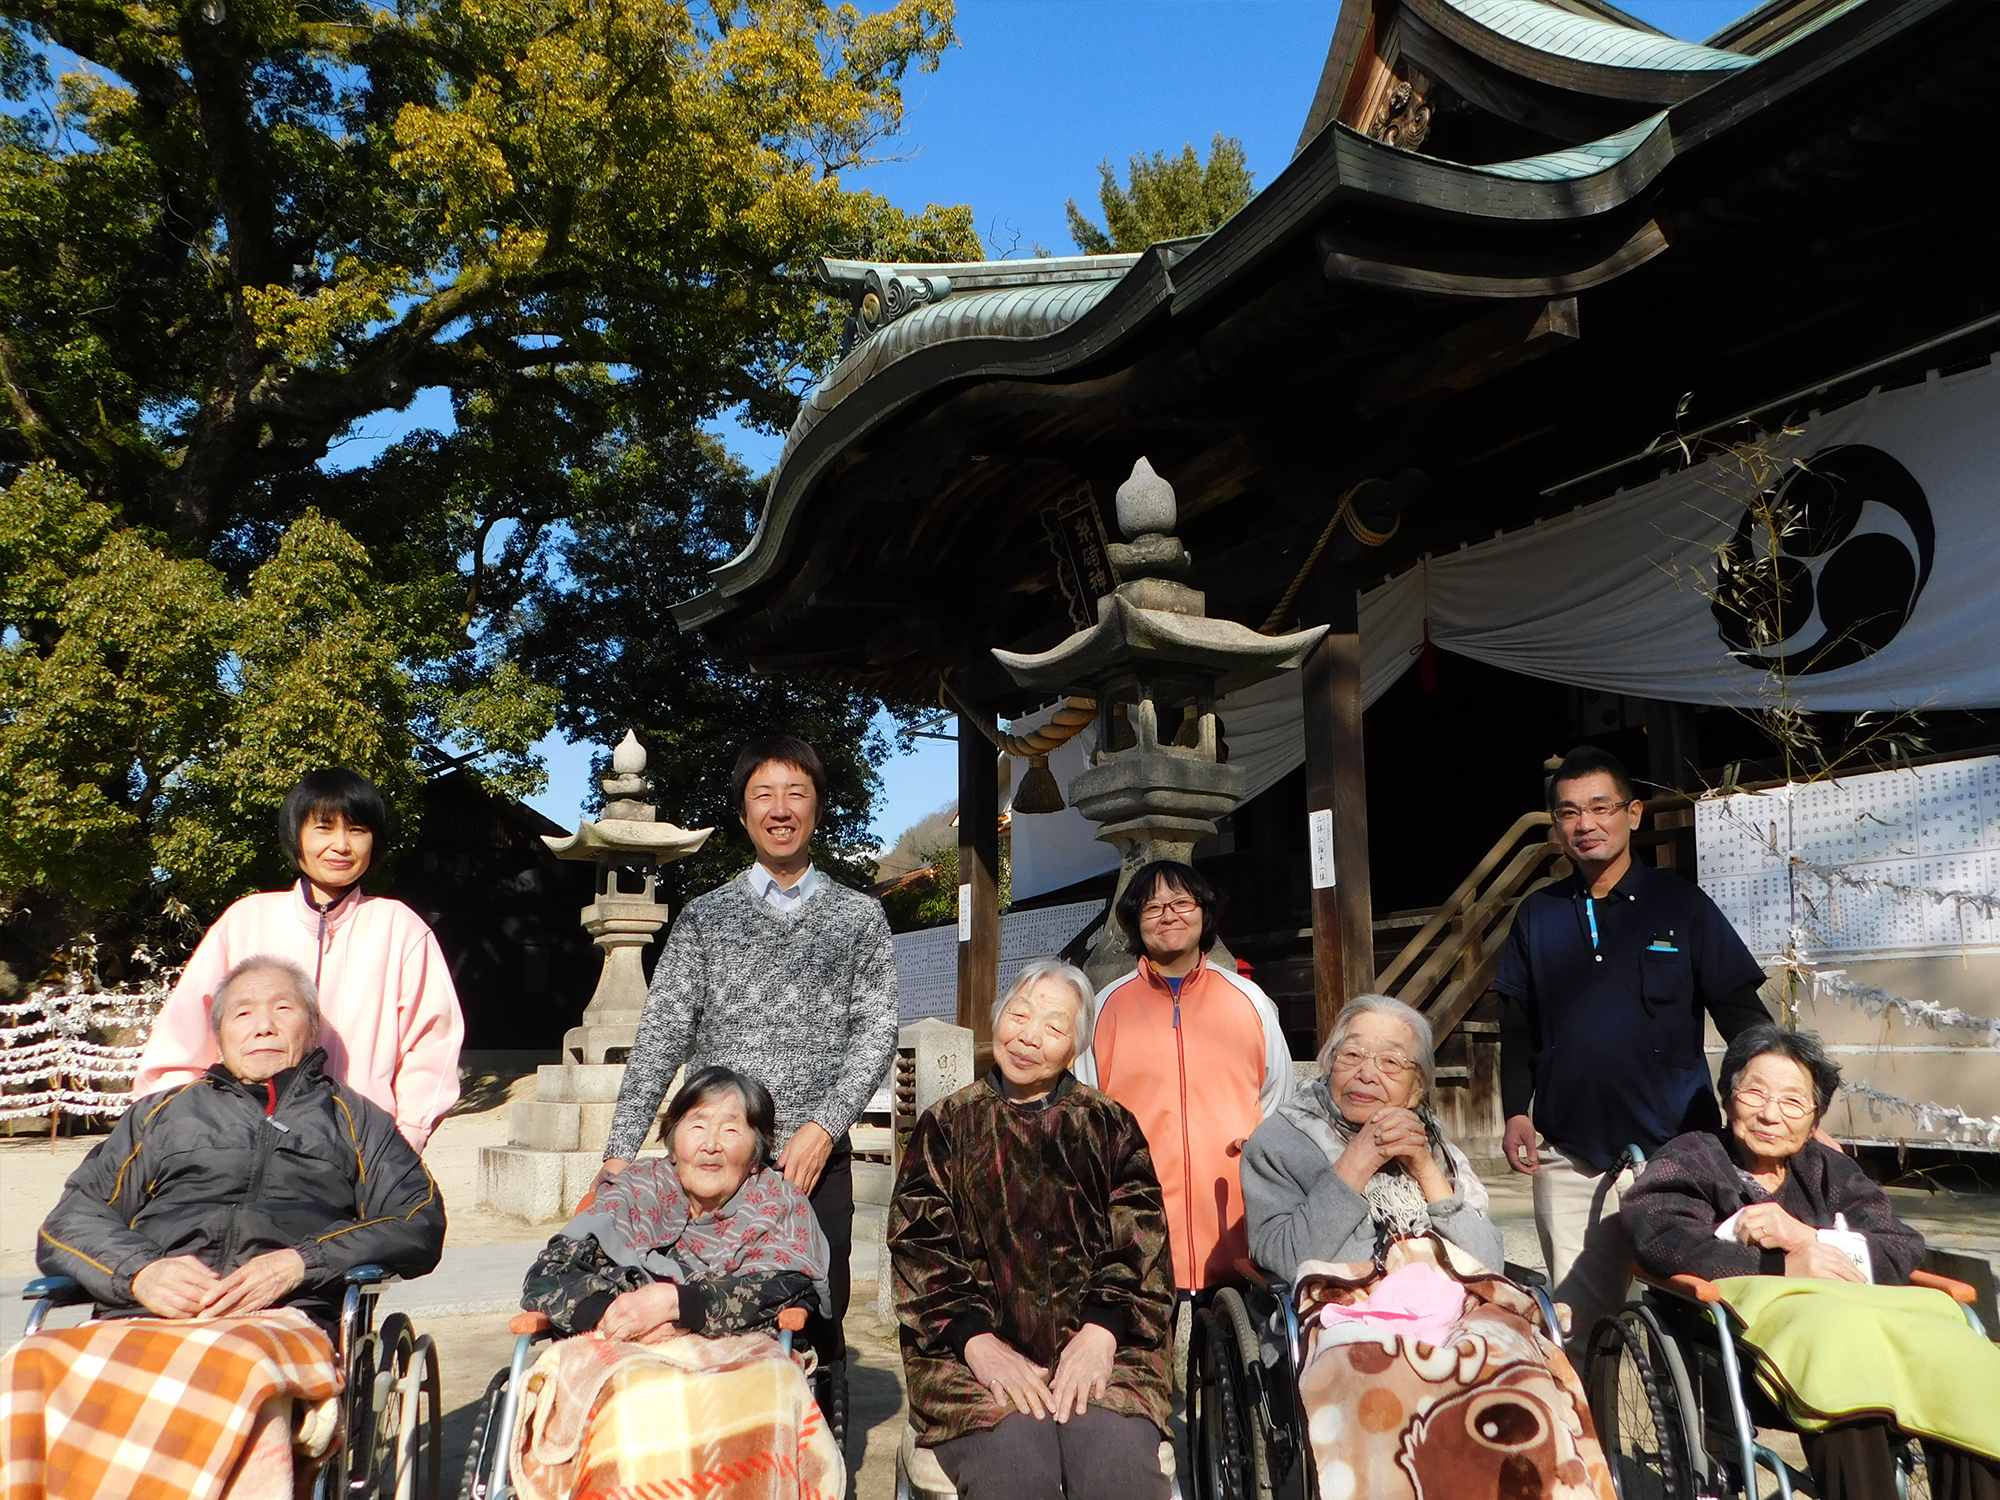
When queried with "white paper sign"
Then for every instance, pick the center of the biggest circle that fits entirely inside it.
(1846, 863)
(965, 913)
(1319, 835)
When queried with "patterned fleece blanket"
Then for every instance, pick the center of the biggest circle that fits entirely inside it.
(715, 1418)
(1494, 1409)
(163, 1408)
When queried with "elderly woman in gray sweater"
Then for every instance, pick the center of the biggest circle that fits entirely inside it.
(1357, 1158)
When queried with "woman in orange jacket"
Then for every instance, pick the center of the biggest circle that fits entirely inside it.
(1196, 1053)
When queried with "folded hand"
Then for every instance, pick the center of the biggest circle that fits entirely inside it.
(1010, 1376)
(256, 1284)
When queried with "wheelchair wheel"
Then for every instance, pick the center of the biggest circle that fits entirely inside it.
(1913, 1474)
(419, 1424)
(479, 1456)
(1217, 1450)
(1233, 1317)
(1637, 1412)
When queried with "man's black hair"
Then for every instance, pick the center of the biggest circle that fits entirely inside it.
(1179, 877)
(706, 1084)
(1588, 760)
(330, 792)
(787, 750)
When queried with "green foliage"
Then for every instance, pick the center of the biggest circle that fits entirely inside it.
(151, 719)
(243, 227)
(1167, 198)
(650, 519)
(931, 900)
(249, 226)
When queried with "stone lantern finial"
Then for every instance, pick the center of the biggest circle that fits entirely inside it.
(1146, 504)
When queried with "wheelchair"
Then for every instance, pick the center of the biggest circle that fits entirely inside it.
(1676, 1400)
(486, 1472)
(390, 1446)
(1246, 1427)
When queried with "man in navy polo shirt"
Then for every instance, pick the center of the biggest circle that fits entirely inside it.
(1604, 981)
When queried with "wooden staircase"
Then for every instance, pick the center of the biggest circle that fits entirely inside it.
(1449, 965)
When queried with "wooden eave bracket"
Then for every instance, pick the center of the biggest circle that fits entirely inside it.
(1474, 353)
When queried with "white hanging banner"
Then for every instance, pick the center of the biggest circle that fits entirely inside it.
(1884, 597)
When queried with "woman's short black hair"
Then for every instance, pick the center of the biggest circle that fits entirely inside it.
(787, 750)
(1179, 877)
(703, 1085)
(1802, 1047)
(333, 790)
(1588, 760)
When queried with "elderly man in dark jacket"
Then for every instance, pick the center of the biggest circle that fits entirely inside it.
(258, 1185)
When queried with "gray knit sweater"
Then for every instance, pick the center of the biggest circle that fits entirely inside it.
(803, 1001)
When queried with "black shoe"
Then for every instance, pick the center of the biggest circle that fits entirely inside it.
(830, 1391)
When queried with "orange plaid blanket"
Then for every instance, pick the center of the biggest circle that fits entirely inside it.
(687, 1417)
(151, 1408)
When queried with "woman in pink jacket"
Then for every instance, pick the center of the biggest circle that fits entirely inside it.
(390, 1022)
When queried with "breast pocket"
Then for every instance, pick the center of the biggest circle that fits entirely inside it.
(1666, 982)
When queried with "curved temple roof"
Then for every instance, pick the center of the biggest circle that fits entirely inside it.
(1552, 223)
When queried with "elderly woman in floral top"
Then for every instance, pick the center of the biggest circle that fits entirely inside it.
(1032, 1275)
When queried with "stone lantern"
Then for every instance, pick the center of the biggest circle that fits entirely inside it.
(556, 1140)
(627, 837)
(1155, 662)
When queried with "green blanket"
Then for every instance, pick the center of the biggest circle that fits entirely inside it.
(1833, 1349)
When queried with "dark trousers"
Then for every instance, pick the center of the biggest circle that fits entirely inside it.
(833, 1205)
(1097, 1456)
(1853, 1461)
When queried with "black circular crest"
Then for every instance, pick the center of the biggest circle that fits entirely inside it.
(1853, 554)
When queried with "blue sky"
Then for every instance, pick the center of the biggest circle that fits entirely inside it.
(1015, 122)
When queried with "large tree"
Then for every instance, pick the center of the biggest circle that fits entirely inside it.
(232, 231)
(1165, 198)
(592, 615)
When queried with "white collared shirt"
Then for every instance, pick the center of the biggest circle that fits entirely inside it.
(765, 884)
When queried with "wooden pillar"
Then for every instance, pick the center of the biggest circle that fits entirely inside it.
(978, 882)
(1337, 816)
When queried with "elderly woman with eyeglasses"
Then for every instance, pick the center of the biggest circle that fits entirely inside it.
(1425, 1371)
(1792, 1232)
(1358, 1158)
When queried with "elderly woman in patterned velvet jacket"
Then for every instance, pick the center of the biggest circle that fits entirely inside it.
(1032, 1275)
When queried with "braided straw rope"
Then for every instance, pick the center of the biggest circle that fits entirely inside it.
(1362, 534)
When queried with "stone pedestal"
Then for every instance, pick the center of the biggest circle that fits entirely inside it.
(622, 924)
(555, 1143)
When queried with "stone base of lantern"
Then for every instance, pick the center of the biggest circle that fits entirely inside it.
(555, 1141)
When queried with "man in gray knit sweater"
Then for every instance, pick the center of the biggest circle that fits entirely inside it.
(791, 978)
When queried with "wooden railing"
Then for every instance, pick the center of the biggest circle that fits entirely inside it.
(1450, 963)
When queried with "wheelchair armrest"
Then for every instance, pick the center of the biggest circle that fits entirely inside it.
(530, 1324)
(1524, 1276)
(370, 1276)
(1958, 1291)
(61, 1291)
(792, 1319)
(1255, 1275)
(1684, 1285)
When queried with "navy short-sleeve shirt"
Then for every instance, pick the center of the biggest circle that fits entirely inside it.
(1612, 993)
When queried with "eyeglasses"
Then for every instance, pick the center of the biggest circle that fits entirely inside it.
(1390, 1065)
(1152, 911)
(1569, 812)
(1791, 1106)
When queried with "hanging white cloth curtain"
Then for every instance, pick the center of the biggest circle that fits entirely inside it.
(1885, 596)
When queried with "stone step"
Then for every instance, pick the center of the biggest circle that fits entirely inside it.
(542, 1187)
(578, 1083)
(543, 1125)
